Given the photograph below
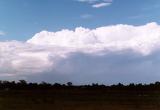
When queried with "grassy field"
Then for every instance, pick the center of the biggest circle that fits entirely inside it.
(80, 99)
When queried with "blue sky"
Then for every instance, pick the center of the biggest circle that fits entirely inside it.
(21, 19)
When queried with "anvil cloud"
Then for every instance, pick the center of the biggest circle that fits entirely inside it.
(109, 54)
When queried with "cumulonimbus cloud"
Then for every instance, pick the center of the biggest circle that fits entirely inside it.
(84, 53)
(142, 39)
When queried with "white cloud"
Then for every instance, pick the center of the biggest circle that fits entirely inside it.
(93, 1)
(86, 16)
(108, 0)
(99, 5)
(88, 1)
(101, 53)
(2, 33)
(142, 39)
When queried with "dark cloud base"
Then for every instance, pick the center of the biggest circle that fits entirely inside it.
(124, 67)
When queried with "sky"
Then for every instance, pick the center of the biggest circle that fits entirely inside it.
(82, 41)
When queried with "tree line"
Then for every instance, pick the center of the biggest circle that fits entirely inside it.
(22, 84)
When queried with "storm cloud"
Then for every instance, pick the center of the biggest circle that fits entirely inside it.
(109, 54)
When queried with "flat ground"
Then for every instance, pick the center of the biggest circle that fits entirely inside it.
(80, 99)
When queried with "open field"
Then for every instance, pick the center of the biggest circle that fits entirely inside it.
(81, 98)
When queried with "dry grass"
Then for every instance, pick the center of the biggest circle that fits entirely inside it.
(80, 99)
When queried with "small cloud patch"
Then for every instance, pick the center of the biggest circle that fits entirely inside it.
(2, 33)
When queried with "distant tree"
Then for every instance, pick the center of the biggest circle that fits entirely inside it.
(94, 84)
(157, 83)
(43, 83)
(120, 85)
(57, 85)
(140, 84)
(69, 84)
(131, 85)
(23, 82)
